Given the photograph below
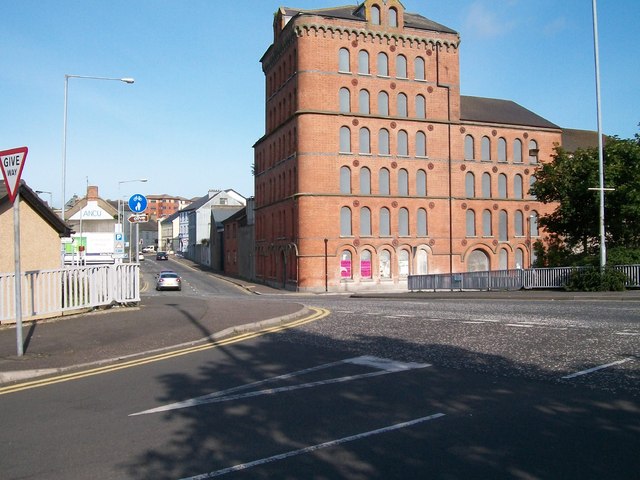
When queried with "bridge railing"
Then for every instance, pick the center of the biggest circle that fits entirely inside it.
(516, 279)
(49, 293)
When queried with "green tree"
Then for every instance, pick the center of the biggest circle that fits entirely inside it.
(574, 224)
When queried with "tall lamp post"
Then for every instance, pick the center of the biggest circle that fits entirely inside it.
(64, 133)
(50, 197)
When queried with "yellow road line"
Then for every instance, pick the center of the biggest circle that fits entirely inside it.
(318, 314)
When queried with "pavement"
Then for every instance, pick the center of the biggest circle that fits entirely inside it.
(159, 323)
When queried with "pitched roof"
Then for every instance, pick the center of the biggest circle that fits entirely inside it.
(29, 196)
(573, 139)
(496, 111)
(349, 12)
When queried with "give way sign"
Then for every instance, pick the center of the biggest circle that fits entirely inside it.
(12, 163)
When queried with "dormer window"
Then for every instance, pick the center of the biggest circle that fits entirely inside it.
(375, 15)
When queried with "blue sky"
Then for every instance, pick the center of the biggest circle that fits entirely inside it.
(189, 122)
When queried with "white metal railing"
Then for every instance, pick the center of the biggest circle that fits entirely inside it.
(49, 293)
(530, 278)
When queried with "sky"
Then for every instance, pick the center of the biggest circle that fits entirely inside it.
(189, 122)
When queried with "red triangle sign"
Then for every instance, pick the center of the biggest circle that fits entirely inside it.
(12, 163)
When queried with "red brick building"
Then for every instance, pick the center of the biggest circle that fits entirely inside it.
(374, 167)
(161, 206)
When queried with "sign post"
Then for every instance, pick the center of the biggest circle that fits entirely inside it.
(12, 162)
(137, 204)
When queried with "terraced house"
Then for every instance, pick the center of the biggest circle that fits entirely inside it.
(373, 166)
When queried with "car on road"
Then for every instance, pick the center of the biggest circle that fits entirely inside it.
(162, 256)
(148, 250)
(140, 257)
(167, 280)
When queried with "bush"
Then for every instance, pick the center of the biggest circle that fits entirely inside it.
(596, 280)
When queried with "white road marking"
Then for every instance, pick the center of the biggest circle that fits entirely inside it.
(313, 448)
(382, 366)
(627, 333)
(600, 367)
(476, 322)
(521, 325)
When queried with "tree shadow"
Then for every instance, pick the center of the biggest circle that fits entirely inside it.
(499, 423)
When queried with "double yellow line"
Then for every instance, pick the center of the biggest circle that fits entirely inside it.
(318, 313)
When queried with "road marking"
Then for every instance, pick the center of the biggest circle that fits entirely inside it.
(599, 367)
(627, 333)
(313, 448)
(475, 322)
(520, 325)
(382, 366)
(318, 313)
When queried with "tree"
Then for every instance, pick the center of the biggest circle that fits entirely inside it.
(566, 180)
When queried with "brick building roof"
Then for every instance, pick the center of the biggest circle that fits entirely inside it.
(350, 12)
(492, 110)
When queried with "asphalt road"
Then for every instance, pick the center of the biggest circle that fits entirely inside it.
(378, 389)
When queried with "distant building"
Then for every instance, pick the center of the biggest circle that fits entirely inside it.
(199, 224)
(41, 231)
(239, 243)
(93, 221)
(373, 166)
(163, 205)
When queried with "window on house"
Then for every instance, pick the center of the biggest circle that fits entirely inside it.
(365, 222)
(383, 103)
(421, 183)
(503, 235)
(393, 17)
(363, 62)
(421, 144)
(517, 151)
(401, 66)
(365, 141)
(486, 149)
(365, 264)
(503, 259)
(532, 182)
(383, 65)
(533, 151)
(365, 181)
(421, 109)
(385, 222)
(383, 142)
(469, 153)
(403, 263)
(345, 180)
(345, 265)
(518, 223)
(403, 182)
(502, 150)
(502, 186)
(470, 185)
(375, 15)
(471, 223)
(403, 143)
(517, 186)
(519, 258)
(403, 222)
(486, 185)
(402, 105)
(343, 60)
(533, 219)
(345, 222)
(419, 68)
(345, 100)
(487, 230)
(383, 182)
(363, 102)
(422, 263)
(385, 264)
(422, 222)
(345, 140)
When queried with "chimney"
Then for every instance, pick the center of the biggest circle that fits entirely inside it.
(92, 192)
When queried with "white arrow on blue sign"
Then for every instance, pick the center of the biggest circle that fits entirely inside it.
(138, 203)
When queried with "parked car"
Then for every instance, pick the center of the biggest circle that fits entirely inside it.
(148, 250)
(140, 257)
(162, 256)
(168, 280)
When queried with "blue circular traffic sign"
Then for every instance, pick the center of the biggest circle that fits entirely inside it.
(137, 203)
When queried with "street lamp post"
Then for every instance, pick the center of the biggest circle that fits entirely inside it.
(64, 132)
(50, 197)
